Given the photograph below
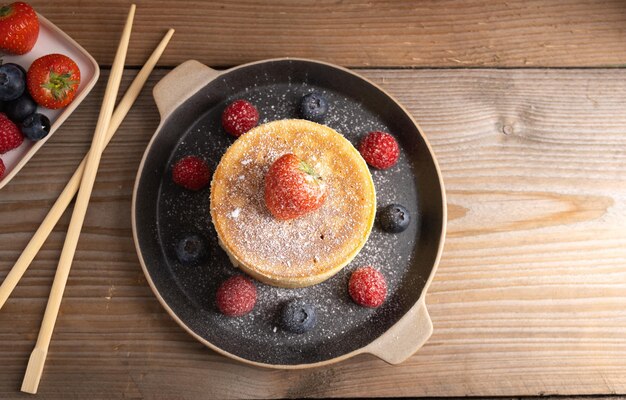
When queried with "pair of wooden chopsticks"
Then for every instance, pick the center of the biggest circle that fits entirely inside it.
(82, 182)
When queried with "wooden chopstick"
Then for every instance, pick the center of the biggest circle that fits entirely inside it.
(59, 207)
(38, 356)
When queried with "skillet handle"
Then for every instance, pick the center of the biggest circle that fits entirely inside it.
(405, 337)
(180, 84)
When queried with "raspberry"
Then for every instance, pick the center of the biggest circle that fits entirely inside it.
(239, 117)
(10, 135)
(236, 296)
(367, 287)
(380, 150)
(191, 173)
(2, 169)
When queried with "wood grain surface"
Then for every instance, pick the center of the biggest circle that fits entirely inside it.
(530, 297)
(522, 33)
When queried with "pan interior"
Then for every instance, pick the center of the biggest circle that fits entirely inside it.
(165, 213)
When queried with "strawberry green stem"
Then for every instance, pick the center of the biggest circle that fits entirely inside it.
(309, 170)
(5, 10)
(59, 84)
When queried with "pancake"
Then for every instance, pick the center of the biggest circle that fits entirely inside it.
(302, 251)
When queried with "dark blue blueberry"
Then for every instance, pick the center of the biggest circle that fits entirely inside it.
(297, 316)
(12, 82)
(35, 127)
(394, 218)
(313, 107)
(20, 108)
(191, 249)
(18, 67)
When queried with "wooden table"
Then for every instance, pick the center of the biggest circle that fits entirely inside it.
(525, 106)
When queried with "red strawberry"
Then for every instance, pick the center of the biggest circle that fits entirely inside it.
(2, 169)
(239, 117)
(10, 135)
(19, 28)
(236, 296)
(53, 80)
(367, 287)
(380, 150)
(191, 173)
(293, 188)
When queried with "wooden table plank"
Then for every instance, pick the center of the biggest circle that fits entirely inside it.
(356, 33)
(530, 297)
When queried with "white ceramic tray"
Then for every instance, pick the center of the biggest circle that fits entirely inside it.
(51, 40)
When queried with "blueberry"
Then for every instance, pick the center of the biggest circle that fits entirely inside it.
(313, 107)
(20, 108)
(297, 316)
(35, 127)
(394, 218)
(18, 67)
(191, 249)
(12, 82)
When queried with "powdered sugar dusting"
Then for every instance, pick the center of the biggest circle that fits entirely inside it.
(305, 246)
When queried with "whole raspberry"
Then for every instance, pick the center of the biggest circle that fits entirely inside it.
(10, 135)
(191, 172)
(2, 169)
(236, 296)
(380, 150)
(239, 117)
(367, 287)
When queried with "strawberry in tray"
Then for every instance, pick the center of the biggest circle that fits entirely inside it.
(53, 80)
(19, 28)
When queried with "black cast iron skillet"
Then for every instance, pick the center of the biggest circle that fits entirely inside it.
(190, 100)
